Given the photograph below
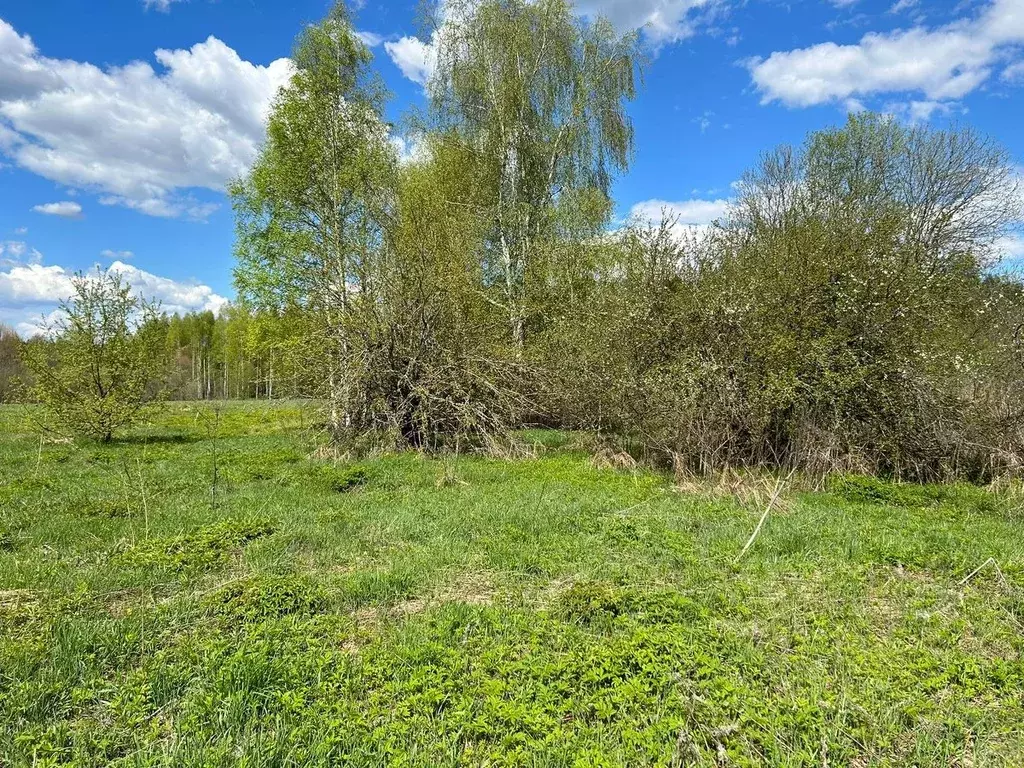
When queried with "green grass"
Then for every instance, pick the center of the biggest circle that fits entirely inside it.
(203, 593)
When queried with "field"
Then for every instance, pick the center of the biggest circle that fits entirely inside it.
(212, 590)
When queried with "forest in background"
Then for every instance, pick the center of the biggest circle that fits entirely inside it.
(236, 354)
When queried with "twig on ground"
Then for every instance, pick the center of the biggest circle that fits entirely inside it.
(991, 561)
(779, 484)
(637, 506)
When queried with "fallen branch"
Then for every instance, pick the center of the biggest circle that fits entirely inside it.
(764, 518)
(991, 561)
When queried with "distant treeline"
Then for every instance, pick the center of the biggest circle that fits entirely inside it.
(236, 355)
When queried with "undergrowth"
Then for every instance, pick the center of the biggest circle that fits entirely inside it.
(542, 612)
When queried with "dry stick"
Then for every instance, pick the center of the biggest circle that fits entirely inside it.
(637, 506)
(983, 566)
(142, 487)
(761, 522)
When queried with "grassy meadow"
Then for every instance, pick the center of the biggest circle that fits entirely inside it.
(213, 590)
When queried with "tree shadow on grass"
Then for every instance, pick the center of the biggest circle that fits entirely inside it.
(181, 438)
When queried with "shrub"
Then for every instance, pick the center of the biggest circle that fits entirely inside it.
(204, 548)
(265, 597)
(840, 318)
(102, 364)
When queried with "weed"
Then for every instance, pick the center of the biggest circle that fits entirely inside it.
(204, 548)
(265, 597)
(587, 602)
(348, 478)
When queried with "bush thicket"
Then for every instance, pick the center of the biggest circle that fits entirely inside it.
(845, 315)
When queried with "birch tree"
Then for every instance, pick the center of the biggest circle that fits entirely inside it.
(539, 97)
(311, 212)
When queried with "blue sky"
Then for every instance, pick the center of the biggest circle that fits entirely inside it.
(121, 121)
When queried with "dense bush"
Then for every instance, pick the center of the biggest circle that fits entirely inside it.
(842, 317)
(12, 371)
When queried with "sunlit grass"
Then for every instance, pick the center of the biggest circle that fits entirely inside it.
(206, 593)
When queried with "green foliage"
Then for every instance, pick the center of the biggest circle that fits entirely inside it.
(12, 372)
(840, 318)
(349, 478)
(541, 612)
(209, 546)
(262, 598)
(104, 363)
(311, 213)
(872, 490)
(377, 588)
(419, 282)
(589, 602)
(537, 99)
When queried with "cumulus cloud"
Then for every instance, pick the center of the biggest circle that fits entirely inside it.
(65, 209)
(26, 285)
(175, 297)
(415, 58)
(21, 71)
(31, 291)
(688, 217)
(945, 63)
(662, 22)
(139, 135)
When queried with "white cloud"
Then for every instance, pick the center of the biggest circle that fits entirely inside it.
(18, 252)
(687, 211)
(165, 207)
(21, 231)
(175, 297)
(117, 255)
(920, 111)
(21, 71)
(161, 5)
(415, 58)
(1014, 73)
(688, 217)
(411, 149)
(29, 290)
(662, 22)
(945, 63)
(1011, 246)
(903, 5)
(370, 39)
(25, 285)
(37, 326)
(138, 135)
(65, 209)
